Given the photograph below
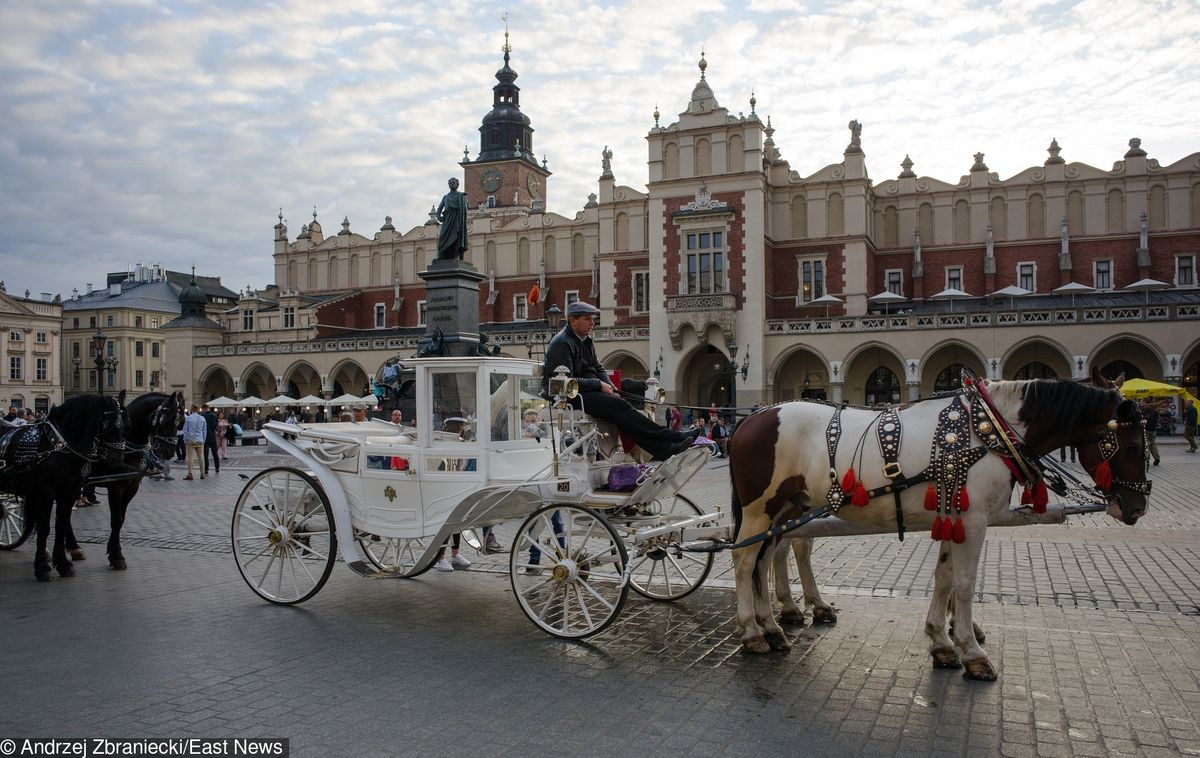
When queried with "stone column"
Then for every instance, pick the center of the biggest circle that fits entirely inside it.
(452, 306)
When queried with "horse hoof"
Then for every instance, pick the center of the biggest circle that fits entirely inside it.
(118, 564)
(778, 641)
(792, 618)
(980, 669)
(43, 576)
(824, 616)
(945, 659)
(65, 571)
(78, 555)
(756, 646)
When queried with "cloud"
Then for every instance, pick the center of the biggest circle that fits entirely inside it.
(173, 132)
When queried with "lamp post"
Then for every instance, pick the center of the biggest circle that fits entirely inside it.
(103, 362)
(734, 369)
(77, 361)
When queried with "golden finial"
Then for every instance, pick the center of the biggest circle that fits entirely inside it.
(703, 63)
(507, 47)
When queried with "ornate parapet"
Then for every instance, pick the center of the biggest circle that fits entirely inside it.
(700, 311)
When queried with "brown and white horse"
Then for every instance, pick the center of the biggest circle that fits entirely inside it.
(780, 468)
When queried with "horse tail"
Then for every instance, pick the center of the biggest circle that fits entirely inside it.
(735, 503)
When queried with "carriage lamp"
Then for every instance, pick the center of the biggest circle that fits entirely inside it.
(561, 385)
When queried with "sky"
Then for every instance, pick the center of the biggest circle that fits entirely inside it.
(173, 132)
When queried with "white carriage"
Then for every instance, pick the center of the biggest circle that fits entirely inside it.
(386, 498)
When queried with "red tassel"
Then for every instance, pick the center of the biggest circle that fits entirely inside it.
(931, 501)
(936, 532)
(947, 529)
(859, 497)
(959, 533)
(849, 480)
(1102, 475)
(1026, 496)
(1041, 497)
(964, 501)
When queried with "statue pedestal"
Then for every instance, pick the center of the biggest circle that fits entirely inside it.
(452, 305)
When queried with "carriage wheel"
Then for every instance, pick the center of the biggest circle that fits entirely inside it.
(395, 555)
(575, 589)
(283, 538)
(660, 574)
(14, 528)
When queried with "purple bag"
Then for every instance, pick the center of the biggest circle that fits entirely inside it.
(626, 477)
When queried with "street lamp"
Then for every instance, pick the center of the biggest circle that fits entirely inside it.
(734, 369)
(103, 362)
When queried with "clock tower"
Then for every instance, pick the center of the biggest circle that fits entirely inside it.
(505, 174)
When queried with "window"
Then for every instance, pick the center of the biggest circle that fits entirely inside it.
(882, 387)
(247, 321)
(40, 338)
(380, 316)
(112, 378)
(705, 262)
(895, 281)
(954, 277)
(1102, 275)
(571, 296)
(1185, 271)
(74, 349)
(108, 320)
(139, 349)
(137, 322)
(1027, 276)
(641, 291)
(138, 376)
(289, 316)
(14, 335)
(154, 323)
(75, 323)
(520, 308)
(154, 350)
(1035, 370)
(91, 322)
(812, 279)
(420, 313)
(949, 379)
(14, 368)
(111, 348)
(41, 369)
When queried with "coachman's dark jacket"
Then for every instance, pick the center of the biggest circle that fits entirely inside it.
(579, 356)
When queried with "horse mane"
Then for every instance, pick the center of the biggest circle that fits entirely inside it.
(1065, 404)
(78, 419)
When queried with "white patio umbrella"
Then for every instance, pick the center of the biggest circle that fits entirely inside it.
(1146, 285)
(222, 402)
(887, 297)
(311, 400)
(1073, 288)
(251, 402)
(826, 300)
(1011, 291)
(951, 294)
(282, 401)
(347, 399)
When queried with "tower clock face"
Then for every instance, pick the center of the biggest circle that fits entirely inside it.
(535, 185)
(490, 180)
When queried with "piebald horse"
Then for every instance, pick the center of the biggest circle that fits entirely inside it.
(780, 467)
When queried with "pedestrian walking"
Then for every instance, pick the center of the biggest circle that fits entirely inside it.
(1150, 412)
(210, 438)
(194, 431)
(1189, 424)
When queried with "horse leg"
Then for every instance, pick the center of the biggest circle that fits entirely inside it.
(39, 509)
(764, 613)
(822, 612)
(748, 578)
(965, 559)
(73, 547)
(980, 636)
(62, 525)
(941, 646)
(791, 613)
(118, 505)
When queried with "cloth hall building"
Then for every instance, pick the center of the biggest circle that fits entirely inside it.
(726, 243)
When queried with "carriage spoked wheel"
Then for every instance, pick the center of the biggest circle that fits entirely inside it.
(395, 555)
(283, 538)
(574, 588)
(659, 572)
(14, 528)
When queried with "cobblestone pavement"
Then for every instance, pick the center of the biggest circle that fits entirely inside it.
(1094, 627)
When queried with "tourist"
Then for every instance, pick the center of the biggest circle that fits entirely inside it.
(194, 431)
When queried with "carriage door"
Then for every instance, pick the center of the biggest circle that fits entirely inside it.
(450, 465)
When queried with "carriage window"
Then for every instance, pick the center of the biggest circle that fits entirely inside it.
(387, 463)
(454, 407)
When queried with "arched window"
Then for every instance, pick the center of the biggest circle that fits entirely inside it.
(490, 255)
(578, 261)
(950, 379)
(890, 226)
(962, 221)
(1037, 217)
(312, 283)
(735, 159)
(1114, 211)
(1035, 370)
(621, 240)
(1158, 207)
(292, 281)
(671, 160)
(925, 223)
(376, 269)
(882, 387)
(353, 272)
(702, 155)
(799, 217)
(1113, 369)
(333, 273)
(1074, 212)
(998, 218)
(834, 215)
(551, 253)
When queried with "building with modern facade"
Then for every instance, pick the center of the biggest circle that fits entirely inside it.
(725, 244)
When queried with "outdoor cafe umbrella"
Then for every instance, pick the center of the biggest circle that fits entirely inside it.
(1146, 285)
(887, 297)
(1074, 288)
(826, 300)
(1012, 291)
(311, 400)
(251, 402)
(222, 402)
(347, 399)
(1139, 388)
(951, 294)
(281, 401)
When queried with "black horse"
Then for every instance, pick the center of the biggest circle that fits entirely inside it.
(47, 463)
(154, 419)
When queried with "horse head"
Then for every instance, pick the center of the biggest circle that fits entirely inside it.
(114, 421)
(1116, 459)
(165, 422)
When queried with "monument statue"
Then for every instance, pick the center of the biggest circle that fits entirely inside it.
(452, 214)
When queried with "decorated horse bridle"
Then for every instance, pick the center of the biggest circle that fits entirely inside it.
(1108, 445)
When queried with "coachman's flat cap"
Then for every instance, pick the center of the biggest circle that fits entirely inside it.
(580, 308)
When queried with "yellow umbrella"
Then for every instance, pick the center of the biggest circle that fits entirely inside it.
(1139, 388)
